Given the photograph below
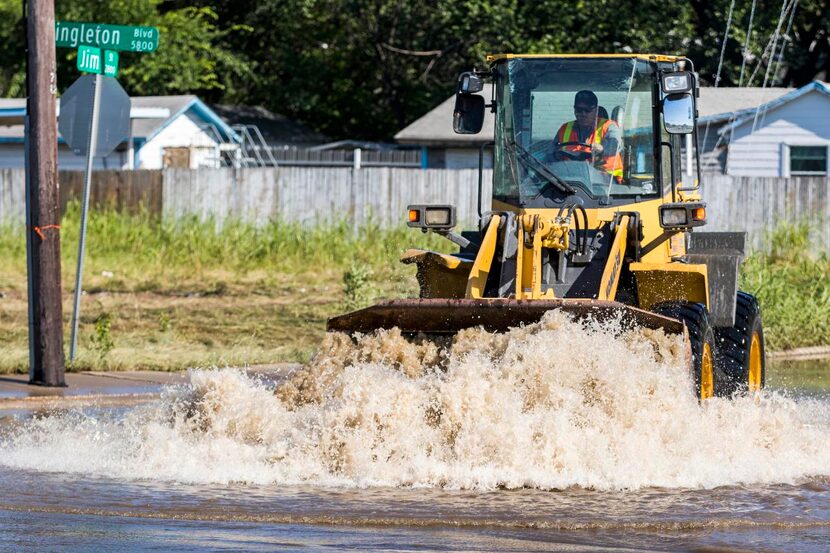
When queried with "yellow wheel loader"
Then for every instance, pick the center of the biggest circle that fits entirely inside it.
(588, 214)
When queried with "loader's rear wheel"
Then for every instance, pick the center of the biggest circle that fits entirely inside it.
(742, 348)
(702, 337)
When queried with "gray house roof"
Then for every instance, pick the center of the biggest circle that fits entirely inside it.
(714, 104)
(792, 94)
(435, 127)
(149, 114)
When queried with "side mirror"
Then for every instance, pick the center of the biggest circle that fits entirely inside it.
(468, 116)
(679, 113)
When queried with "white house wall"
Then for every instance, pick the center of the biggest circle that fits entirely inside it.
(183, 131)
(12, 156)
(804, 121)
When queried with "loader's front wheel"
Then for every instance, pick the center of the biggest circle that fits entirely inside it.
(742, 348)
(695, 316)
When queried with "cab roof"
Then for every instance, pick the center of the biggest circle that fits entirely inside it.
(649, 57)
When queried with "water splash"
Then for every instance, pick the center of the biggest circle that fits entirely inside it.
(550, 405)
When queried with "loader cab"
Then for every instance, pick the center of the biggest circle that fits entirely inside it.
(534, 101)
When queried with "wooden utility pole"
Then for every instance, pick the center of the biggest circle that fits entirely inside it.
(46, 361)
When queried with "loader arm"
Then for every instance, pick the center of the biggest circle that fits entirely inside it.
(611, 273)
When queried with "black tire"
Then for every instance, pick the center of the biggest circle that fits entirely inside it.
(701, 334)
(735, 345)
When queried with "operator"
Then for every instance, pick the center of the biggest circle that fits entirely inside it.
(590, 136)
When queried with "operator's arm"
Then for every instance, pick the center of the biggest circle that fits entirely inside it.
(612, 141)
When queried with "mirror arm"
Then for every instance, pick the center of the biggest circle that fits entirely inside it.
(694, 137)
(481, 172)
(672, 174)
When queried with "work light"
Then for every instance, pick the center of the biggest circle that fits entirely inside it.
(439, 217)
(677, 83)
(682, 215)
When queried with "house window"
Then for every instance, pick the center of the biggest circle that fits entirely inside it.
(808, 160)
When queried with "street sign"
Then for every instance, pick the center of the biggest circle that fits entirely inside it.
(72, 34)
(110, 63)
(89, 59)
(76, 114)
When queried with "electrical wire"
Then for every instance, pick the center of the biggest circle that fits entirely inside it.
(774, 39)
(720, 62)
(784, 42)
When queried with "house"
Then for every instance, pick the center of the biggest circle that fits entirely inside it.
(166, 131)
(789, 136)
(440, 146)
(717, 108)
(786, 136)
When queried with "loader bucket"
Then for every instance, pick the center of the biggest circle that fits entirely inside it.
(448, 316)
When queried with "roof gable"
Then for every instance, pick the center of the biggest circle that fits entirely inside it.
(749, 115)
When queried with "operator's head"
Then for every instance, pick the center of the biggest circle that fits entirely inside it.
(585, 108)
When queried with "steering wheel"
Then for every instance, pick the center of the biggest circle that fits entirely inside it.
(560, 151)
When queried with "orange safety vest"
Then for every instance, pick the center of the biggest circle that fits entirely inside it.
(612, 163)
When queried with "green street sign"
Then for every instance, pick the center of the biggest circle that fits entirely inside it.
(110, 63)
(72, 34)
(89, 59)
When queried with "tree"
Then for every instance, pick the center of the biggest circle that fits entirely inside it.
(366, 68)
(189, 58)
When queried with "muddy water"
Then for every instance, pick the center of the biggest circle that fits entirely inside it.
(552, 437)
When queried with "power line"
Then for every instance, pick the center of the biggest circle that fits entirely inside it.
(720, 61)
(784, 41)
(744, 57)
(774, 39)
(746, 44)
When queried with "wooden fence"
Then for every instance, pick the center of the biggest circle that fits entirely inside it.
(307, 195)
(757, 204)
(381, 194)
(128, 191)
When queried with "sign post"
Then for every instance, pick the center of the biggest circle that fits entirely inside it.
(90, 156)
(83, 102)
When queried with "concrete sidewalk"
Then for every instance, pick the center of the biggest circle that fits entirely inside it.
(104, 389)
(85, 389)
(91, 383)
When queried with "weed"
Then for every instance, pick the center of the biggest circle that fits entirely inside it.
(165, 322)
(357, 286)
(102, 341)
(792, 281)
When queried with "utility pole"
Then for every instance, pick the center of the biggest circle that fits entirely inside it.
(46, 361)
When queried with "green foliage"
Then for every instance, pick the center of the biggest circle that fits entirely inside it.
(102, 341)
(366, 68)
(165, 322)
(792, 282)
(146, 249)
(357, 286)
(189, 60)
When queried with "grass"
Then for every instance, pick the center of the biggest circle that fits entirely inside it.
(163, 295)
(792, 282)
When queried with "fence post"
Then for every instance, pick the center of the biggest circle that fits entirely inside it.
(356, 161)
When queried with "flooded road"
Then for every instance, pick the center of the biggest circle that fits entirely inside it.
(520, 443)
